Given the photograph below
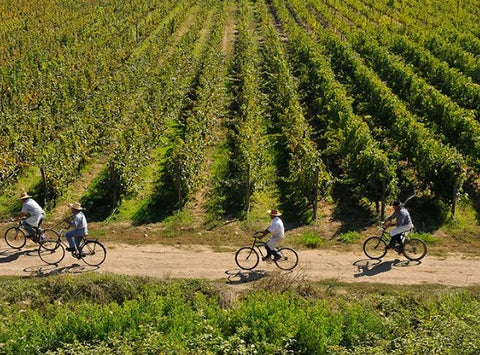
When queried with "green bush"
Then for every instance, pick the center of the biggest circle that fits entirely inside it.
(310, 240)
(187, 317)
(350, 237)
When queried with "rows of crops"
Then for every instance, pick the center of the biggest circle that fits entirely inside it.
(246, 102)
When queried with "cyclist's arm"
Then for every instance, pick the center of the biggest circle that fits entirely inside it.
(261, 234)
(22, 214)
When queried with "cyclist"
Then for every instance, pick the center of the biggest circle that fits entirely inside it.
(403, 224)
(277, 230)
(79, 225)
(34, 213)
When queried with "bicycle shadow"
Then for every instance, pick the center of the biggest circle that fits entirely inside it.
(52, 270)
(9, 255)
(238, 277)
(368, 267)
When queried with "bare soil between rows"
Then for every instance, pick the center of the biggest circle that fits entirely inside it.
(201, 262)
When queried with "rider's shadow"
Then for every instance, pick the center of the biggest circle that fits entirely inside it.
(374, 267)
(236, 277)
(51, 270)
(9, 255)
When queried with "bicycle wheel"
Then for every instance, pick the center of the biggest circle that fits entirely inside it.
(15, 238)
(51, 251)
(375, 248)
(93, 252)
(288, 260)
(51, 236)
(246, 258)
(414, 249)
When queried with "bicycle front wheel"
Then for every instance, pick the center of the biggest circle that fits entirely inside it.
(414, 249)
(15, 238)
(375, 248)
(93, 253)
(288, 259)
(51, 236)
(51, 251)
(246, 258)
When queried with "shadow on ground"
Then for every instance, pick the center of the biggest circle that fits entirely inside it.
(374, 267)
(236, 277)
(51, 270)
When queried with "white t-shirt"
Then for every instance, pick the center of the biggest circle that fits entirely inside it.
(276, 228)
(34, 211)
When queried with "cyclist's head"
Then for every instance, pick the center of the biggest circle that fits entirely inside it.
(396, 203)
(274, 213)
(24, 196)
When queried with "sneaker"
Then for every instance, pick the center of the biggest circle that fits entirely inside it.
(277, 257)
(70, 249)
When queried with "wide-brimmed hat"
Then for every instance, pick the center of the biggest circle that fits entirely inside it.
(24, 195)
(274, 213)
(77, 206)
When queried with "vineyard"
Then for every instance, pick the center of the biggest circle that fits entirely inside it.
(238, 105)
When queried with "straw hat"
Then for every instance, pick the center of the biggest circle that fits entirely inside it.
(24, 195)
(77, 206)
(275, 213)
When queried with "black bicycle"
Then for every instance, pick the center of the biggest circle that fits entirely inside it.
(413, 249)
(91, 251)
(247, 258)
(16, 237)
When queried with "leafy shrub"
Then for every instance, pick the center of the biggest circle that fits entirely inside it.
(310, 240)
(350, 237)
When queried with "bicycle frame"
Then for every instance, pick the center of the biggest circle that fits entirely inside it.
(257, 244)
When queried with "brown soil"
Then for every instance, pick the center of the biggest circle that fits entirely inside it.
(195, 261)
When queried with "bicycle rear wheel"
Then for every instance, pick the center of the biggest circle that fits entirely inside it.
(288, 260)
(246, 258)
(93, 252)
(414, 249)
(15, 238)
(51, 251)
(375, 248)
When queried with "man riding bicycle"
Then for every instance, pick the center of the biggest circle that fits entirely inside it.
(34, 213)
(403, 224)
(277, 230)
(79, 227)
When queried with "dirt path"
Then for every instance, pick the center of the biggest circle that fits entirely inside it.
(165, 262)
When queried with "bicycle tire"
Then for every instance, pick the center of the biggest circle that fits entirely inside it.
(375, 248)
(93, 253)
(49, 235)
(414, 249)
(15, 238)
(247, 258)
(288, 260)
(51, 252)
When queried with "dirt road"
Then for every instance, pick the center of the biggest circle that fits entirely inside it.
(164, 262)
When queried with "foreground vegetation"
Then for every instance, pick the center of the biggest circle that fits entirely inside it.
(109, 314)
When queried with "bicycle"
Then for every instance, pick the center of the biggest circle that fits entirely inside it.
(91, 251)
(247, 258)
(16, 237)
(413, 249)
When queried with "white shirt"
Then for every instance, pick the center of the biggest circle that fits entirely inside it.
(34, 211)
(276, 228)
(79, 223)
